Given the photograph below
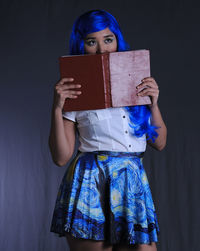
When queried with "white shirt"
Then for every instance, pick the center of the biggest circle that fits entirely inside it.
(106, 130)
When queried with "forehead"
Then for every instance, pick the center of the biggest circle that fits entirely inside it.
(99, 34)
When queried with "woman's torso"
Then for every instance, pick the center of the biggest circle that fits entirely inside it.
(106, 130)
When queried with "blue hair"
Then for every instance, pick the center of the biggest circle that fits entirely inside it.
(140, 121)
(97, 20)
(93, 21)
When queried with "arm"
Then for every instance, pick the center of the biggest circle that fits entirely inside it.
(151, 89)
(61, 138)
(157, 120)
(62, 132)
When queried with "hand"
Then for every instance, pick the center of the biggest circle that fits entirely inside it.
(151, 89)
(63, 90)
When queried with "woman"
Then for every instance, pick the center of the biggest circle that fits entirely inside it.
(104, 201)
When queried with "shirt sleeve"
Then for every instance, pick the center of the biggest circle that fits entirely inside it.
(69, 115)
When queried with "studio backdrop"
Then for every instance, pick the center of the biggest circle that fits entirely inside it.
(33, 35)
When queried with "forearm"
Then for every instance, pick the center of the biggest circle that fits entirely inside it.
(59, 147)
(157, 120)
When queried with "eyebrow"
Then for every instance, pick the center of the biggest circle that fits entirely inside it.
(95, 37)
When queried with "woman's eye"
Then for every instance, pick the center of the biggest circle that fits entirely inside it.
(90, 43)
(108, 40)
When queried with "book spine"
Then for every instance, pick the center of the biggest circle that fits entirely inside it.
(106, 80)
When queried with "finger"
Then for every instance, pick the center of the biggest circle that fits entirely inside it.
(147, 84)
(153, 93)
(73, 96)
(148, 78)
(67, 86)
(145, 90)
(67, 94)
(64, 80)
(70, 95)
(70, 86)
(148, 81)
(73, 92)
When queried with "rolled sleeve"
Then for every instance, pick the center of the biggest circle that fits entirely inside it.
(69, 115)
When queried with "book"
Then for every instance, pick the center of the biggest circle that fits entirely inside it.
(107, 79)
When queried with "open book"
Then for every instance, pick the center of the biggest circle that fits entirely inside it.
(107, 80)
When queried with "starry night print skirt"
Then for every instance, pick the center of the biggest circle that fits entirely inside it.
(106, 196)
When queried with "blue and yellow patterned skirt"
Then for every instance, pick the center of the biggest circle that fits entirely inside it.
(106, 196)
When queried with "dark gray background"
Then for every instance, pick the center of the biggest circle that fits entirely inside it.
(33, 35)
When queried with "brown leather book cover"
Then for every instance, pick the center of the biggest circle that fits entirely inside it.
(107, 80)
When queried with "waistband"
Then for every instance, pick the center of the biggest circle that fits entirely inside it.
(116, 154)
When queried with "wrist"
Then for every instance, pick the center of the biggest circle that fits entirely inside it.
(153, 106)
(56, 108)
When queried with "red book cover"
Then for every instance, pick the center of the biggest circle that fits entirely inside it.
(107, 80)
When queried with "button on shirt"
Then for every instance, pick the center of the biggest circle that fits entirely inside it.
(106, 130)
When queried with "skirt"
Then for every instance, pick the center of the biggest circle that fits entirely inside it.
(106, 196)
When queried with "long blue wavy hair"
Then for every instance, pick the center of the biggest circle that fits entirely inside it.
(97, 20)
